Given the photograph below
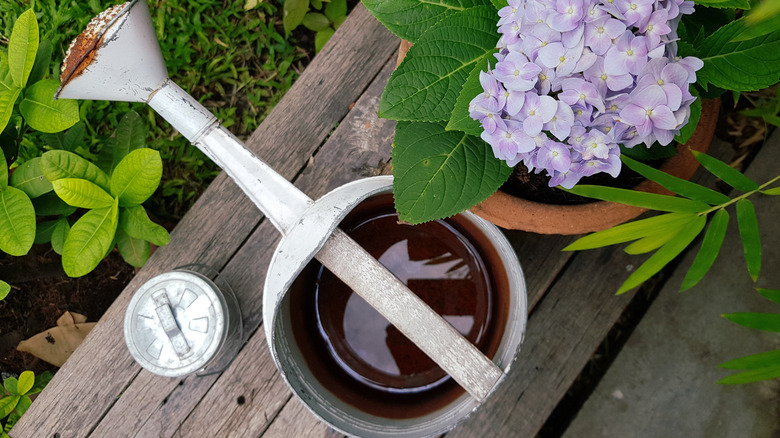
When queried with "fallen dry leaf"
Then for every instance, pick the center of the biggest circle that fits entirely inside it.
(56, 344)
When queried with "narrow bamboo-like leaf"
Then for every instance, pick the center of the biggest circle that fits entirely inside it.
(43, 231)
(136, 223)
(752, 362)
(64, 164)
(22, 47)
(30, 179)
(45, 114)
(60, 235)
(51, 205)
(756, 375)
(89, 241)
(8, 404)
(728, 174)
(664, 255)
(632, 231)
(652, 242)
(5, 289)
(770, 294)
(425, 91)
(680, 186)
(450, 174)
(133, 251)
(409, 19)
(771, 192)
(769, 322)
(651, 201)
(751, 239)
(710, 247)
(17, 222)
(26, 382)
(460, 119)
(82, 193)
(136, 177)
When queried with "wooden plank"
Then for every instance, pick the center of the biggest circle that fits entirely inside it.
(214, 228)
(663, 380)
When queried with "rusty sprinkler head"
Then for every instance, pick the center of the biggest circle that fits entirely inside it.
(117, 57)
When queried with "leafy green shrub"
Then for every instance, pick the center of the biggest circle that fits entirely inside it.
(320, 16)
(16, 397)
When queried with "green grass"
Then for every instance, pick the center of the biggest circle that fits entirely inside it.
(236, 62)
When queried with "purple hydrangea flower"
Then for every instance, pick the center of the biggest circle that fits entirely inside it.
(517, 73)
(537, 111)
(650, 114)
(553, 157)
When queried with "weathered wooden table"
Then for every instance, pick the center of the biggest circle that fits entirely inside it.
(324, 133)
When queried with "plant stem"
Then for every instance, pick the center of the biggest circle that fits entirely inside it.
(740, 197)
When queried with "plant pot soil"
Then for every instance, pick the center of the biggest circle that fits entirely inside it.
(512, 212)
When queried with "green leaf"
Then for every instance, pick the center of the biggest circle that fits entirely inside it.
(64, 164)
(8, 404)
(710, 247)
(10, 384)
(317, 4)
(89, 241)
(136, 177)
(335, 9)
(741, 65)
(728, 174)
(74, 137)
(293, 13)
(677, 185)
(41, 380)
(130, 135)
(316, 21)
(426, 91)
(24, 403)
(51, 205)
(724, 4)
(3, 171)
(26, 382)
(5, 289)
(45, 114)
(30, 179)
(43, 231)
(60, 235)
(8, 96)
(409, 19)
(321, 38)
(756, 375)
(642, 153)
(664, 255)
(632, 231)
(499, 3)
(440, 173)
(751, 240)
(652, 242)
(770, 294)
(42, 62)
(22, 47)
(762, 20)
(640, 199)
(687, 131)
(136, 223)
(460, 119)
(754, 361)
(134, 251)
(82, 193)
(17, 222)
(772, 192)
(769, 322)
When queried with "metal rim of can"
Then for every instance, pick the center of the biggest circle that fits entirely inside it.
(217, 332)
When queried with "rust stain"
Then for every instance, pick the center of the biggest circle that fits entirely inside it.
(83, 50)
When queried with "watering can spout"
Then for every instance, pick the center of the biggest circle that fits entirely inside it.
(116, 58)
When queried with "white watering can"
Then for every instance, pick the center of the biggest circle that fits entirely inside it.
(118, 58)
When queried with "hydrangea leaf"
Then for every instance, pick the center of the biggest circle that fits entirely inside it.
(423, 90)
(499, 3)
(133, 251)
(677, 185)
(710, 247)
(5, 289)
(30, 179)
(724, 4)
(664, 255)
(136, 223)
(631, 231)
(136, 177)
(687, 131)
(440, 173)
(17, 222)
(751, 240)
(45, 114)
(82, 193)
(460, 119)
(22, 47)
(740, 65)
(64, 164)
(89, 241)
(409, 19)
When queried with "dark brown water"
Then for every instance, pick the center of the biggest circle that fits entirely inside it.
(366, 361)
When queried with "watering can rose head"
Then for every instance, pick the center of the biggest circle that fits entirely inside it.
(574, 79)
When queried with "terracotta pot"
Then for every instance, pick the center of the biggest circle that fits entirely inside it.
(515, 213)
